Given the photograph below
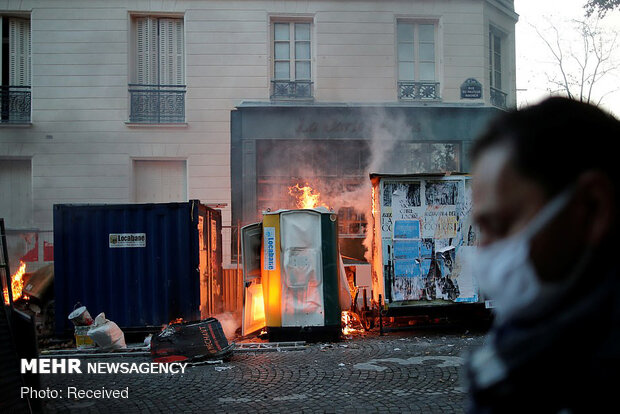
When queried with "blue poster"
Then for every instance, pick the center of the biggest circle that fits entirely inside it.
(406, 249)
(406, 268)
(426, 248)
(407, 229)
(426, 266)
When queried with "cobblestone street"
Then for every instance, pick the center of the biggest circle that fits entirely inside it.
(407, 371)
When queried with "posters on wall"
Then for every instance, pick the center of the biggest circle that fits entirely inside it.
(426, 236)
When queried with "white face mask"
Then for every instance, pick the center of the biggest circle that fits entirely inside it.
(505, 271)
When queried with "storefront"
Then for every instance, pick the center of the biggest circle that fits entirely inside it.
(332, 148)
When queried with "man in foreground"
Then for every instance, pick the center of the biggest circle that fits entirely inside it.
(545, 200)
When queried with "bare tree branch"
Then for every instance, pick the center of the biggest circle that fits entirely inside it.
(556, 53)
(580, 69)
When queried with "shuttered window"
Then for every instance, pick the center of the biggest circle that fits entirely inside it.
(19, 52)
(159, 51)
(15, 69)
(171, 51)
(158, 90)
(146, 51)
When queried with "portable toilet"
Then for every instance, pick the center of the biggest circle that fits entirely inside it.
(293, 282)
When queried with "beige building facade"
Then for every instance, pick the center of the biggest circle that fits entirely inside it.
(110, 101)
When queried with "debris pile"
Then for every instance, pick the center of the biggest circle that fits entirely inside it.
(101, 332)
(193, 341)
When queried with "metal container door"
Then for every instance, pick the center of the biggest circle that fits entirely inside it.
(253, 317)
(302, 269)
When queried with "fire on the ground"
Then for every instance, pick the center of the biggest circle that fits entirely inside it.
(17, 284)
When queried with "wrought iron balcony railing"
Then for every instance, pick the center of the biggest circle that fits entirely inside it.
(418, 91)
(15, 103)
(157, 104)
(284, 89)
(498, 98)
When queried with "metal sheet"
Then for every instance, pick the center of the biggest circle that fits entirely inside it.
(210, 261)
(138, 263)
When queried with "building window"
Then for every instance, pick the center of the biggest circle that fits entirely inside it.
(417, 61)
(292, 60)
(157, 91)
(15, 93)
(498, 96)
(423, 157)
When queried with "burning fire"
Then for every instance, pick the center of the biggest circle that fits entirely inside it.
(17, 284)
(350, 323)
(258, 306)
(373, 200)
(306, 197)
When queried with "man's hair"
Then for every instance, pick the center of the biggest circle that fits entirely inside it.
(555, 141)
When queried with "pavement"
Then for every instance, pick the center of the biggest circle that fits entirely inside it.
(406, 371)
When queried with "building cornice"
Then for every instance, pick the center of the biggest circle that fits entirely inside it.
(506, 7)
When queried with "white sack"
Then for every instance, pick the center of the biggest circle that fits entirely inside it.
(106, 334)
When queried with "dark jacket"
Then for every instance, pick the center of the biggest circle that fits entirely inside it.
(564, 360)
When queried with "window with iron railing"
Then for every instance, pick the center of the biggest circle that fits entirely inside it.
(15, 89)
(497, 95)
(157, 93)
(292, 60)
(417, 61)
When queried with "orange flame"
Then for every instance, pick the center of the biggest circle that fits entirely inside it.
(17, 284)
(258, 306)
(306, 197)
(350, 323)
(373, 200)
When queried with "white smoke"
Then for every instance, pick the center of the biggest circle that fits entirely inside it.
(385, 130)
(229, 323)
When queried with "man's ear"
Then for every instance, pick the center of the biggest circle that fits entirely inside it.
(596, 192)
